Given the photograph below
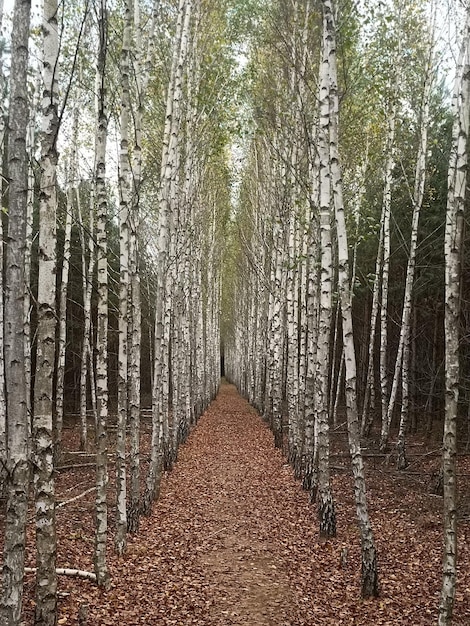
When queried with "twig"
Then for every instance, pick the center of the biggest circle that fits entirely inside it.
(64, 571)
(80, 465)
(84, 482)
(77, 466)
(421, 456)
(80, 495)
(215, 533)
(79, 453)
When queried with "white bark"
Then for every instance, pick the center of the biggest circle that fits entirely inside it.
(456, 194)
(87, 235)
(369, 397)
(385, 237)
(64, 279)
(3, 406)
(2, 91)
(31, 148)
(277, 336)
(125, 190)
(403, 352)
(102, 323)
(66, 571)
(369, 557)
(18, 429)
(326, 509)
(142, 70)
(46, 542)
(313, 318)
(169, 165)
(133, 510)
(310, 448)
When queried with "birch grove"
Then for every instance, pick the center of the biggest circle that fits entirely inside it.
(271, 191)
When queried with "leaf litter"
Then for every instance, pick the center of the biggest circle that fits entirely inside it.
(234, 540)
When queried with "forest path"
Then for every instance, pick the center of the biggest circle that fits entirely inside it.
(236, 499)
(233, 541)
(218, 548)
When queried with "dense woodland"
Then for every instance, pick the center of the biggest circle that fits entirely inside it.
(274, 191)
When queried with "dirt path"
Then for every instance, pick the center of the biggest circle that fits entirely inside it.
(237, 506)
(216, 550)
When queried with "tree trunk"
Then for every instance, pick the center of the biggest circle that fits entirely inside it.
(403, 353)
(46, 542)
(133, 509)
(169, 165)
(31, 148)
(86, 361)
(369, 558)
(326, 508)
(125, 190)
(64, 279)
(101, 569)
(142, 75)
(17, 430)
(385, 269)
(456, 194)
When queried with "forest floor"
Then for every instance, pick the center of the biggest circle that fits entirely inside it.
(234, 540)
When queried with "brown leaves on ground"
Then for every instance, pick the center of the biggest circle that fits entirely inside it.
(234, 541)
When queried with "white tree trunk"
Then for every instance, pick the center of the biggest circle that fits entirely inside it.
(277, 337)
(64, 279)
(385, 267)
(402, 359)
(133, 508)
(31, 148)
(2, 91)
(125, 190)
(369, 396)
(326, 508)
(142, 70)
(18, 430)
(169, 165)
(456, 194)
(369, 556)
(3, 406)
(87, 234)
(101, 569)
(310, 480)
(46, 542)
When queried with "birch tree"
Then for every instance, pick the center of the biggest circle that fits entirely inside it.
(369, 557)
(456, 194)
(402, 361)
(169, 168)
(143, 59)
(101, 570)
(46, 579)
(3, 411)
(63, 289)
(125, 190)
(18, 449)
(87, 371)
(379, 308)
(326, 507)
